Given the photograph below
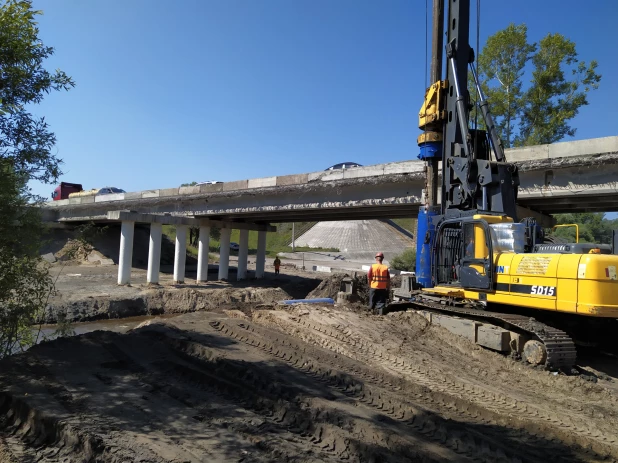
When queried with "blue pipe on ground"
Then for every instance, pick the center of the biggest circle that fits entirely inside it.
(320, 300)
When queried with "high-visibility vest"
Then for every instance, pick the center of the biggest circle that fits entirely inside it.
(379, 276)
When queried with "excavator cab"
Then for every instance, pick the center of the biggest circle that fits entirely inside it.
(467, 249)
(463, 254)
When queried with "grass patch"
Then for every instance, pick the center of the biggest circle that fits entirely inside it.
(408, 224)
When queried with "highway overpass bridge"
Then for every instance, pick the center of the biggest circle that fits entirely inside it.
(578, 176)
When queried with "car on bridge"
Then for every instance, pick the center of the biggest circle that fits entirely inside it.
(109, 190)
(344, 165)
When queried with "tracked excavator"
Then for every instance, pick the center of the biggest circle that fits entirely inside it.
(482, 271)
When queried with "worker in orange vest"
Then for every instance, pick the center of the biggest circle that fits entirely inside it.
(379, 283)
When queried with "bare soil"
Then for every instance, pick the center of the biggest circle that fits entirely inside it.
(235, 377)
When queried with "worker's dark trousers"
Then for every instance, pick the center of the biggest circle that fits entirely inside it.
(377, 297)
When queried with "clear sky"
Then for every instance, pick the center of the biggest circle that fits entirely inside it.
(195, 90)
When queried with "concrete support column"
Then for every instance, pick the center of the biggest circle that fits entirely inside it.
(243, 252)
(260, 259)
(202, 254)
(180, 254)
(154, 252)
(126, 252)
(224, 253)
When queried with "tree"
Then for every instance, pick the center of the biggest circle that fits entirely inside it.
(539, 112)
(593, 227)
(405, 261)
(502, 62)
(553, 100)
(25, 154)
(215, 233)
(24, 281)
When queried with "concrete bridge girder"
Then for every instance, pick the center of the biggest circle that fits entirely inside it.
(385, 197)
(562, 177)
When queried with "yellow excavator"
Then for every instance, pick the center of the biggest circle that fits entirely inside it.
(481, 271)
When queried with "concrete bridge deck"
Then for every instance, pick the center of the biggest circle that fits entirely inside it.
(561, 177)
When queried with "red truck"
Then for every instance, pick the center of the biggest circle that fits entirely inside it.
(63, 190)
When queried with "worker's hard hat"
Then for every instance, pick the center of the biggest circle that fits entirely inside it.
(379, 254)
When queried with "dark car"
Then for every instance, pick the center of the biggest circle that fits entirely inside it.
(344, 165)
(108, 190)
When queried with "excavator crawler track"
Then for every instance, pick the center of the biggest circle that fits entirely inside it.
(561, 352)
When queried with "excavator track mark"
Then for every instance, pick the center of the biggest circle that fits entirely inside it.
(561, 351)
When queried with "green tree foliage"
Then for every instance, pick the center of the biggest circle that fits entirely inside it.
(405, 261)
(26, 139)
(538, 111)
(25, 154)
(24, 280)
(502, 64)
(215, 233)
(593, 227)
(554, 99)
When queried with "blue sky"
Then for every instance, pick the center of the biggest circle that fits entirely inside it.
(195, 90)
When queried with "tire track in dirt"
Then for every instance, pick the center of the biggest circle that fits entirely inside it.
(402, 410)
(58, 438)
(537, 399)
(568, 429)
(271, 389)
(290, 409)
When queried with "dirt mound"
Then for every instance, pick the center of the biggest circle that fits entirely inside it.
(77, 244)
(299, 384)
(329, 287)
(75, 251)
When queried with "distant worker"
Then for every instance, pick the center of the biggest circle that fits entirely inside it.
(379, 283)
(277, 264)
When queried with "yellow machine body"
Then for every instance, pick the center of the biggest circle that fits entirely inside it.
(582, 284)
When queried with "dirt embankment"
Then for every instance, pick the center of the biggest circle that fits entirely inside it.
(162, 301)
(299, 384)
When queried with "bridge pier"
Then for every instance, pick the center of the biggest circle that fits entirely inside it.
(126, 252)
(224, 253)
(180, 254)
(243, 253)
(202, 254)
(154, 253)
(260, 259)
